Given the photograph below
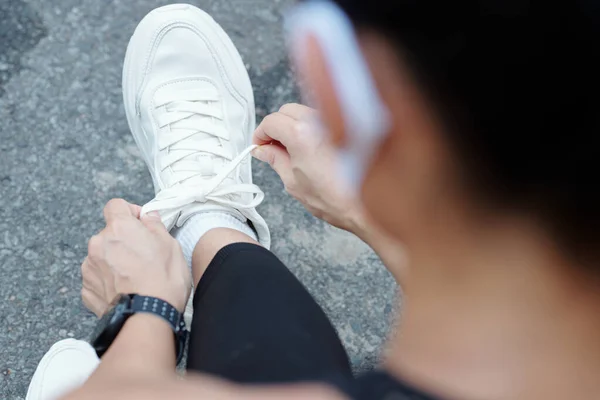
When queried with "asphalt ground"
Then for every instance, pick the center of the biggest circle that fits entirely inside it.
(65, 150)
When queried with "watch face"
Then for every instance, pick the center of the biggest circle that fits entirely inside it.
(110, 324)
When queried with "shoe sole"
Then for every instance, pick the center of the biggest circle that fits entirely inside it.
(154, 25)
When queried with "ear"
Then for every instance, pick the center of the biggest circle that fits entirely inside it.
(318, 76)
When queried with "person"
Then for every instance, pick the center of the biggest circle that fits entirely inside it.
(464, 130)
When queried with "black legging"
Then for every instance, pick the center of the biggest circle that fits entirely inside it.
(254, 322)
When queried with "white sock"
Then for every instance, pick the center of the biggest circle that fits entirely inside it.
(194, 228)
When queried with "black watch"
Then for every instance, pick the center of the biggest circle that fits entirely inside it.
(123, 307)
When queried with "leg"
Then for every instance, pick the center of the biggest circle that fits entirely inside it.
(253, 320)
(190, 106)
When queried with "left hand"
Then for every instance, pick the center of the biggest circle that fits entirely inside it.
(133, 256)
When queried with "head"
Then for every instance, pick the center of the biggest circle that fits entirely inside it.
(493, 109)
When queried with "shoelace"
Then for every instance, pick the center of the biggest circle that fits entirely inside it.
(181, 107)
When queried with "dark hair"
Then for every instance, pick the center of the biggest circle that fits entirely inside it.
(517, 83)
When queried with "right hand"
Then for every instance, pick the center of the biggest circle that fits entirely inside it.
(306, 163)
(133, 255)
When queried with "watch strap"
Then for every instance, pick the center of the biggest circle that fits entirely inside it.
(160, 308)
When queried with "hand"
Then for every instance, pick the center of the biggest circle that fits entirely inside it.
(306, 163)
(133, 256)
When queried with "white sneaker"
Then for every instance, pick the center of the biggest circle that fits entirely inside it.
(190, 107)
(64, 368)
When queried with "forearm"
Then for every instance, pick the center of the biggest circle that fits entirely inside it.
(391, 252)
(144, 348)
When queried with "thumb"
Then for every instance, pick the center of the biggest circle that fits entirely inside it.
(277, 157)
(153, 222)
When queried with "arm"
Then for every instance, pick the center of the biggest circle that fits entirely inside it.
(390, 251)
(140, 365)
(200, 388)
(135, 256)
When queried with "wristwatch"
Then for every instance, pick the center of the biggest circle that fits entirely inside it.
(123, 307)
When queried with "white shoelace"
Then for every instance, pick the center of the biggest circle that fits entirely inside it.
(189, 138)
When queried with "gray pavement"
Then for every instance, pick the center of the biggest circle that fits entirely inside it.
(65, 150)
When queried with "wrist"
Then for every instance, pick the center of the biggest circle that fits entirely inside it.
(139, 311)
(158, 310)
(389, 249)
(151, 322)
(144, 346)
(177, 299)
(357, 223)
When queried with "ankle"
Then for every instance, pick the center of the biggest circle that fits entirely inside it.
(199, 224)
(210, 244)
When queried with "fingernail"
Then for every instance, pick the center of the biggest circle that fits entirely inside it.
(153, 214)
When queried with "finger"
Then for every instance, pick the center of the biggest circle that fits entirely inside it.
(119, 209)
(279, 127)
(136, 210)
(90, 277)
(299, 112)
(86, 270)
(153, 222)
(278, 158)
(95, 247)
(93, 302)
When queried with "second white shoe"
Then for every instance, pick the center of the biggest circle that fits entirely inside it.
(64, 368)
(190, 107)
